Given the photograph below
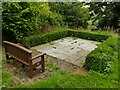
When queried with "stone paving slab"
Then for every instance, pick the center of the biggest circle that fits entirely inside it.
(70, 49)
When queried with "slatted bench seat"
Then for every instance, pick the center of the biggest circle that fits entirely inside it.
(35, 64)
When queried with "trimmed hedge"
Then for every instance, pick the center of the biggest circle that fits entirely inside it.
(43, 38)
(50, 36)
(88, 35)
(103, 57)
(112, 42)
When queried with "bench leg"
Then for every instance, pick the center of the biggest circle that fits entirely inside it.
(31, 73)
(7, 58)
(43, 64)
(23, 65)
(43, 67)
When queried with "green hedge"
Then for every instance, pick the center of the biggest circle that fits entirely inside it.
(112, 42)
(88, 35)
(50, 36)
(43, 38)
(103, 57)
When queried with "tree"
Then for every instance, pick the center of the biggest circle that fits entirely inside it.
(21, 19)
(74, 14)
(107, 13)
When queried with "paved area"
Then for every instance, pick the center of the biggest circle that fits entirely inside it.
(71, 49)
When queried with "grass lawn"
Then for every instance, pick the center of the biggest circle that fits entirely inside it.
(65, 79)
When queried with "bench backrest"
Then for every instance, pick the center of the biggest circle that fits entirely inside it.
(20, 53)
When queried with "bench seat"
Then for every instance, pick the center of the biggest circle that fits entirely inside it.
(35, 63)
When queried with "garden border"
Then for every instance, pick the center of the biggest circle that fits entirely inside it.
(103, 60)
(51, 36)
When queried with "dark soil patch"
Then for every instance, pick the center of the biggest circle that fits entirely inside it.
(81, 71)
(20, 74)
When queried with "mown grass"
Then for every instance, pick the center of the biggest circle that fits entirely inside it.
(6, 79)
(63, 79)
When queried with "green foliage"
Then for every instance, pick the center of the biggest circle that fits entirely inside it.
(45, 16)
(50, 36)
(101, 11)
(103, 48)
(21, 19)
(6, 79)
(63, 79)
(88, 35)
(103, 57)
(112, 42)
(73, 13)
(17, 20)
(55, 19)
(44, 38)
(51, 66)
(99, 62)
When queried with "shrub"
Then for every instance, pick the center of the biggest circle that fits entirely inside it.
(18, 20)
(50, 36)
(44, 38)
(102, 58)
(74, 15)
(88, 35)
(102, 48)
(100, 62)
(22, 19)
(112, 42)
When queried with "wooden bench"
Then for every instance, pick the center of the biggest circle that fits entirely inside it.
(35, 64)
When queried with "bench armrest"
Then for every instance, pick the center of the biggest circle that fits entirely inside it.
(38, 56)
